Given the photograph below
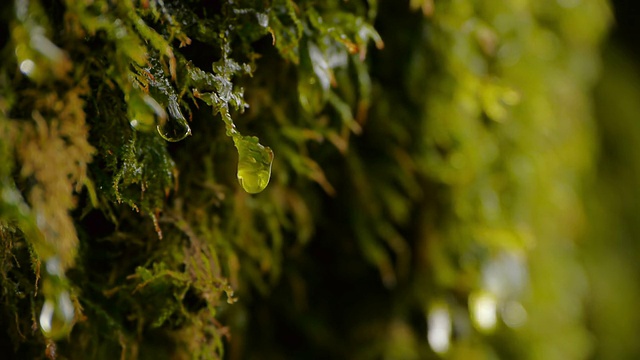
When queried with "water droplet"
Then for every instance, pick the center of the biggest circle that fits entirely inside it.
(144, 112)
(175, 128)
(56, 317)
(174, 131)
(254, 164)
(57, 314)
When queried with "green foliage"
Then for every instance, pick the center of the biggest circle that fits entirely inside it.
(432, 178)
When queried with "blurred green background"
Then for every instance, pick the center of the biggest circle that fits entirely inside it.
(583, 304)
(610, 251)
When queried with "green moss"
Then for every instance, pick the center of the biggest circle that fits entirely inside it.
(405, 181)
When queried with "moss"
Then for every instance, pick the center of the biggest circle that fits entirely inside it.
(304, 179)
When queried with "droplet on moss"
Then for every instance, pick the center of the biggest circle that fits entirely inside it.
(57, 314)
(56, 317)
(175, 128)
(254, 164)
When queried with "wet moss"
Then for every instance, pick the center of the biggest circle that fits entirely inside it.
(417, 152)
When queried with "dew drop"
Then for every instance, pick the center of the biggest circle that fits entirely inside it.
(56, 317)
(175, 128)
(57, 314)
(254, 164)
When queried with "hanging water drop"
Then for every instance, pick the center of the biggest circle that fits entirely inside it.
(254, 159)
(254, 164)
(56, 317)
(57, 314)
(175, 128)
